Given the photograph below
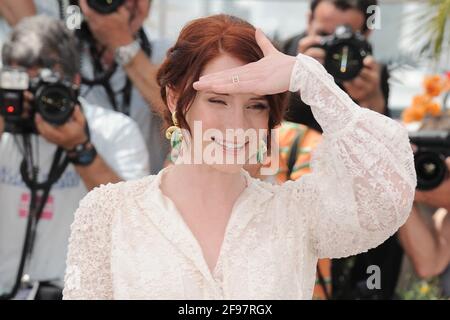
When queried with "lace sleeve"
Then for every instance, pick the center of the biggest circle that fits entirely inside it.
(88, 273)
(362, 184)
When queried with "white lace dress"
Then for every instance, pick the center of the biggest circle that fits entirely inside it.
(129, 241)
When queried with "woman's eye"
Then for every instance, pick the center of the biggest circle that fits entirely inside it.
(259, 106)
(217, 101)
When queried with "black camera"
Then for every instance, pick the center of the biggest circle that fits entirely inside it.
(429, 159)
(105, 6)
(345, 52)
(54, 99)
(100, 6)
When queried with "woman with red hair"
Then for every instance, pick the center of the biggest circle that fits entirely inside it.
(203, 228)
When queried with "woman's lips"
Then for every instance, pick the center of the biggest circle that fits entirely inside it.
(230, 146)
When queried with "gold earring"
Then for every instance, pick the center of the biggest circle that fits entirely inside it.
(174, 133)
(173, 128)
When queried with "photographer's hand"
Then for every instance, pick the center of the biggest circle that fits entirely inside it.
(306, 46)
(140, 13)
(118, 29)
(111, 30)
(426, 244)
(438, 197)
(15, 10)
(67, 135)
(366, 87)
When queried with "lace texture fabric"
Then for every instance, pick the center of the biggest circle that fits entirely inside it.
(129, 241)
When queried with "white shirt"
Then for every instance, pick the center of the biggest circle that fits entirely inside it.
(116, 138)
(148, 122)
(129, 241)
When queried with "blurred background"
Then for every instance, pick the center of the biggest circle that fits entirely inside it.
(395, 43)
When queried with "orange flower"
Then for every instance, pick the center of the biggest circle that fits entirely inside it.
(420, 100)
(413, 114)
(433, 85)
(433, 108)
(407, 116)
(423, 104)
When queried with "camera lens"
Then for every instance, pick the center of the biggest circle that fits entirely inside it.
(55, 103)
(105, 6)
(430, 170)
(344, 61)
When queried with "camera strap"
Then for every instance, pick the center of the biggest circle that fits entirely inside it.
(55, 173)
(292, 158)
(103, 76)
(29, 172)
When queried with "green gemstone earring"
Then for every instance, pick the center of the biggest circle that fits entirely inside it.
(176, 139)
(261, 151)
(173, 133)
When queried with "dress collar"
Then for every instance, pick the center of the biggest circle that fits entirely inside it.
(166, 217)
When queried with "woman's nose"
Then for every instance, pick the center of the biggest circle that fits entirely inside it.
(237, 125)
(238, 118)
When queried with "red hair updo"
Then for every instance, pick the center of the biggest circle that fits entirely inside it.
(201, 41)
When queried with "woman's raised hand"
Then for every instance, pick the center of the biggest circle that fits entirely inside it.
(269, 75)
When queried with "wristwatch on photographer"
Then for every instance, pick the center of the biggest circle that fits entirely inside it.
(124, 54)
(83, 154)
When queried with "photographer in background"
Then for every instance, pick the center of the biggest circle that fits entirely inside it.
(117, 68)
(38, 122)
(369, 87)
(337, 36)
(119, 63)
(425, 238)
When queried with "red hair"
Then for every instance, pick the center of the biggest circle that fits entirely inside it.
(199, 42)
